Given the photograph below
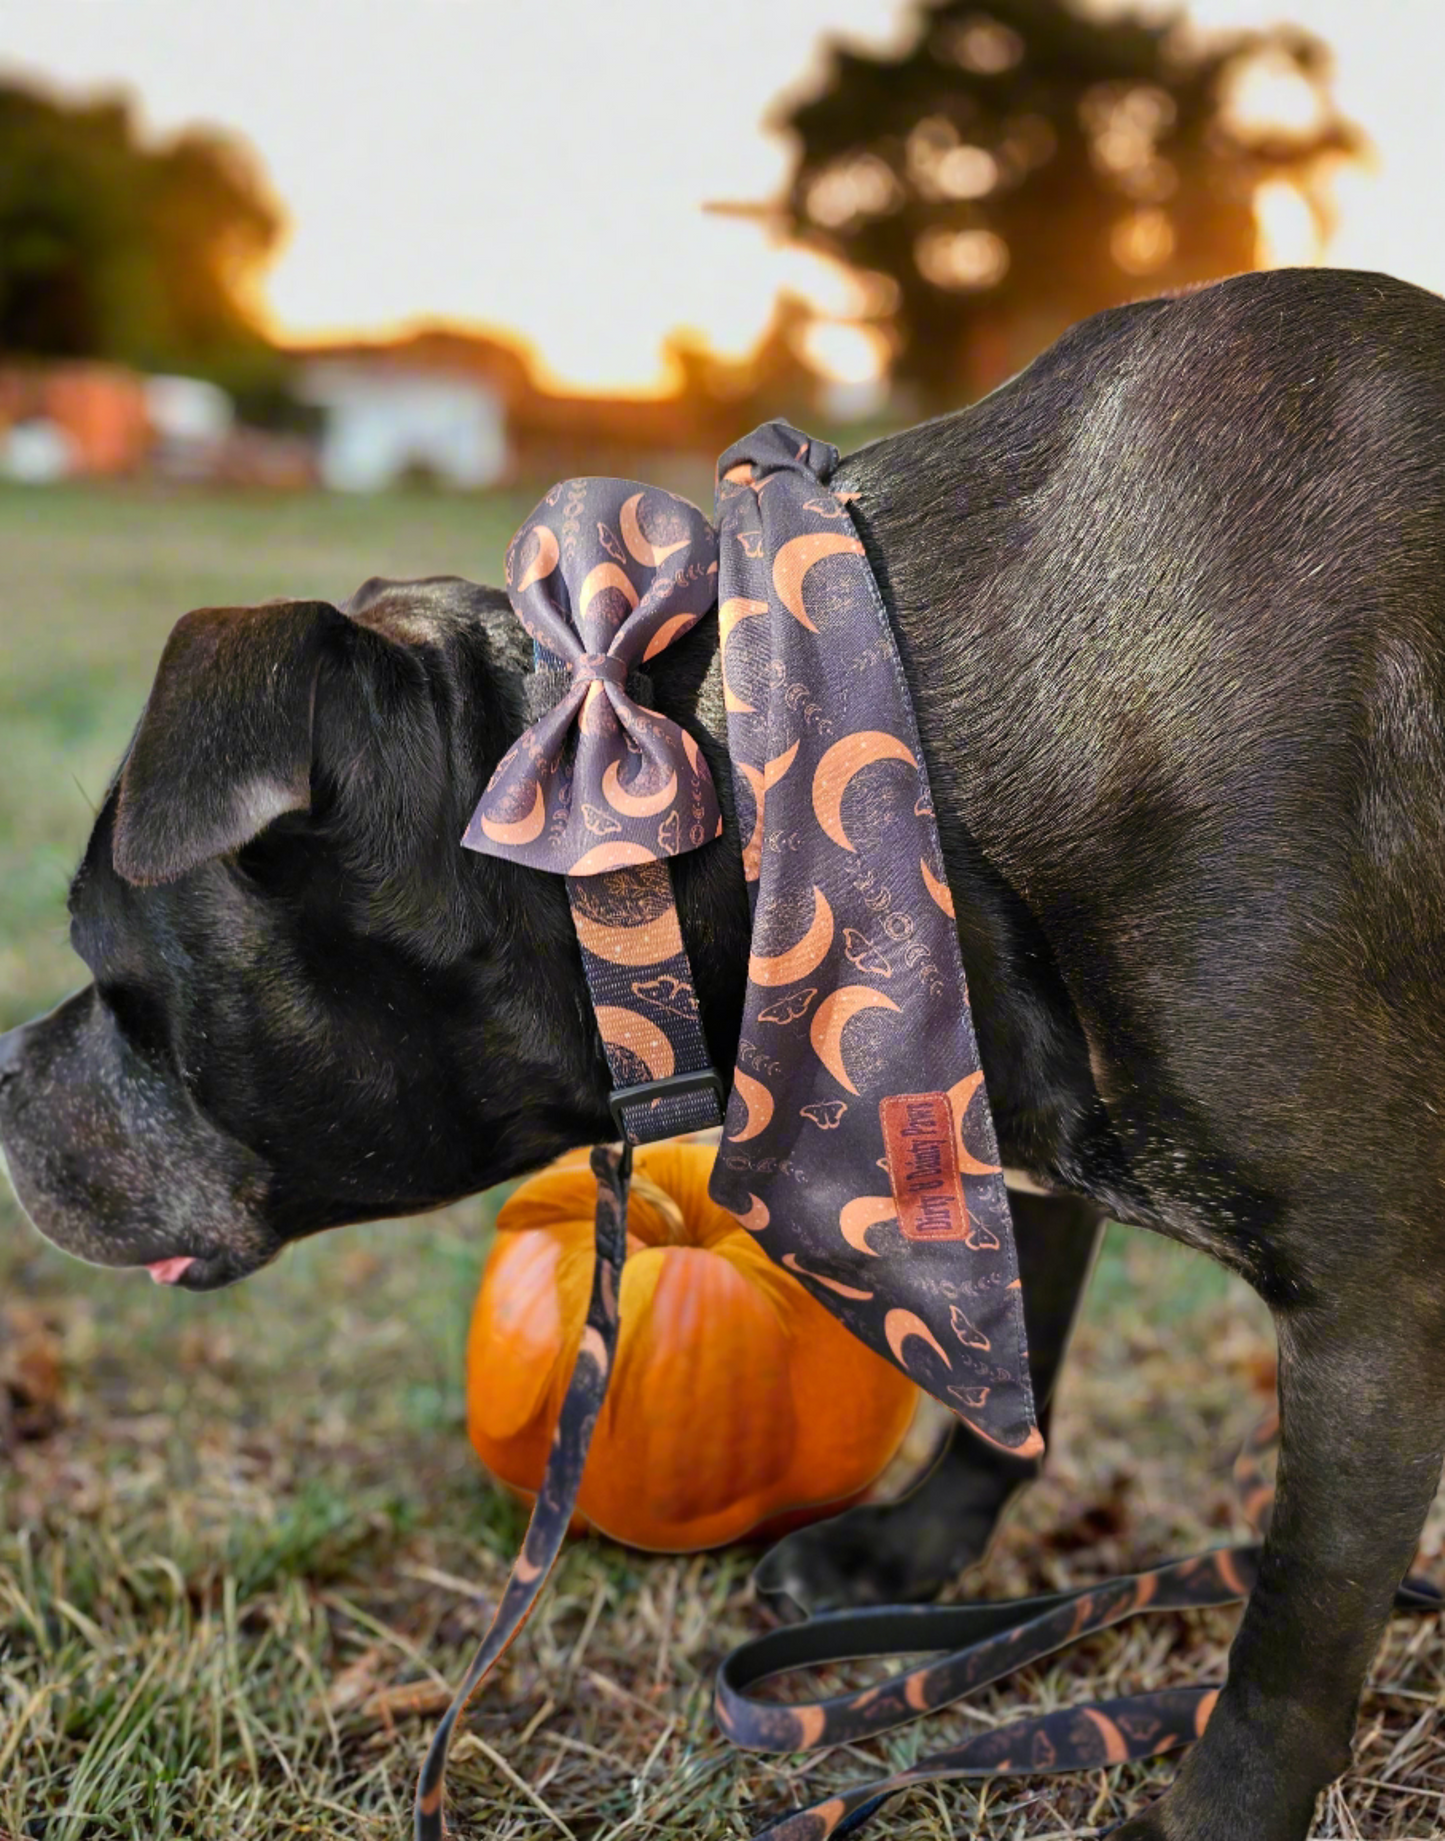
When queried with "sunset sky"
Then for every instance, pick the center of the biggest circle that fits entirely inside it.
(541, 166)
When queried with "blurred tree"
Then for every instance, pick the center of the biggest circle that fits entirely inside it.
(727, 396)
(110, 248)
(1024, 164)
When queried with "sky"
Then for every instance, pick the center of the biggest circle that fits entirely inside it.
(541, 165)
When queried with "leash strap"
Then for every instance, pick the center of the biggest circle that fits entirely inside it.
(552, 1511)
(985, 1642)
(558, 802)
(645, 1003)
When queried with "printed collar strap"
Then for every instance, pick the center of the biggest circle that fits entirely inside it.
(604, 575)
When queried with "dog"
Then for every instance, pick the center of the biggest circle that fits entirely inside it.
(1171, 603)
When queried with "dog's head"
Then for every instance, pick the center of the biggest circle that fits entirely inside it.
(309, 1005)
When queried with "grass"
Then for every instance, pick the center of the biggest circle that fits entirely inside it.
(243, 1541)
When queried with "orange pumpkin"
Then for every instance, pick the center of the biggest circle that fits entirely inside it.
(737, 1404)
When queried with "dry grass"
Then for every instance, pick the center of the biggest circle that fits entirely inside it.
(243, 1542)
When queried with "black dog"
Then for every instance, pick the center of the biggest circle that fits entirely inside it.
(1172, 604)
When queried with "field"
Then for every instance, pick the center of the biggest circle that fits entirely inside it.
(243, 1540)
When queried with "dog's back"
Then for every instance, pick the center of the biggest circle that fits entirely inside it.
(1177, 636)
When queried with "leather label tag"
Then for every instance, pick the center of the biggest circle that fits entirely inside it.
(921, 1139)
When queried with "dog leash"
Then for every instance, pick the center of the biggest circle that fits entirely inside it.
(984, 1642)
(987, 1641)
(552, 1511)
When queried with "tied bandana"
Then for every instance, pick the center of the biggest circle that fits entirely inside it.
(603, 575)
(859, 1146)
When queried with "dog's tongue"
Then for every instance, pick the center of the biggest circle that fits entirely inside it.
(168, 1271)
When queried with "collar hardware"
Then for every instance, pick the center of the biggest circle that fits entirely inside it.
(625, 1103)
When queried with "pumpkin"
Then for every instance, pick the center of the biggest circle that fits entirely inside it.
(738, 1405)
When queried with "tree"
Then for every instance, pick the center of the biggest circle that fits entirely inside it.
(113, 249)
(1023, 165)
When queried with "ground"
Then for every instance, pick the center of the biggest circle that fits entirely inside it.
(243, 1540)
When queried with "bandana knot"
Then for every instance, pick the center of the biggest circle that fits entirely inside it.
(599, 668)
(604, 575)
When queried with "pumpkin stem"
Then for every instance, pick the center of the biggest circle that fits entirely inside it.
(674, 1221)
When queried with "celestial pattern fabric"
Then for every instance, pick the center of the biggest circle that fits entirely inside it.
(859, 1146)
(603, 575)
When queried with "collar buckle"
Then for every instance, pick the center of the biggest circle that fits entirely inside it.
(622, 1101)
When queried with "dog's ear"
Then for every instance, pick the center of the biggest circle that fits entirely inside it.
(225, 744)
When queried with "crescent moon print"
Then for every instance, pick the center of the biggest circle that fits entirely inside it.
(735, 608)
(796, 558)
(524, 830)
(544, 562)
(621, 1028)
(605, 575)
(959, 1097)
(759, 1103)
(809, 953)
(940, 891)
(837, 768)
(790, 1260)
(899, 1325)
(636, 805)
(616, 855)
(754, 1217)
(833, 1016)
(650, 944)
(666, 633)
(863, 1212)
(772, 772)
(1116, 1749)
(638, 547)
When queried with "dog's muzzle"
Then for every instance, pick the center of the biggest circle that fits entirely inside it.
(114, 1163)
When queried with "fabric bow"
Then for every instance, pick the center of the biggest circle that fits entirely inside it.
(604, 575)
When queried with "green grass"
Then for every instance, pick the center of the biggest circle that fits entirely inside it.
(243, 1539)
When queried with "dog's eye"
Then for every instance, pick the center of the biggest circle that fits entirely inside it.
(272, 861)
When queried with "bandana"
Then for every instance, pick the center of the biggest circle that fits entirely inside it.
(859, 1144)
(859, 1147)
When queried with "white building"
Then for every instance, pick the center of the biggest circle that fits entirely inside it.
(383, 419)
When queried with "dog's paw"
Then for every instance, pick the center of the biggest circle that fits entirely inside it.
(866, 1556)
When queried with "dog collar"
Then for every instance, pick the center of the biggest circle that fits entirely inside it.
(858, 1145)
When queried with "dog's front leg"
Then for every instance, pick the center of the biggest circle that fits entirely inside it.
(1362, 1402)
(898, 1552)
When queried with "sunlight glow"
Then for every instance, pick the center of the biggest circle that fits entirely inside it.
(845, 354)
(1271, 94)
(1286, 233)
(451, 161)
